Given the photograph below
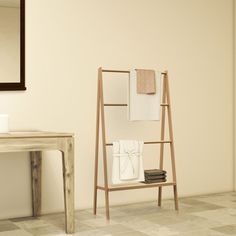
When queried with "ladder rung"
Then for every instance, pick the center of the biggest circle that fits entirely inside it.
(140, 185)
(164, 104)
(115, 105)
(122, 71)
(117, 71)
(125, 104)
(154, 142)
(135, 186)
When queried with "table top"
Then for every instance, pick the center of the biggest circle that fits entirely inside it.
(34, 134)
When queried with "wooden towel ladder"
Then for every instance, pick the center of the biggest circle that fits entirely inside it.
(166, 106)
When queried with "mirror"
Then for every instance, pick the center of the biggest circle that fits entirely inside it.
(12, 45)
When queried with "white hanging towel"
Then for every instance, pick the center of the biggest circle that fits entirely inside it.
(127, 166)
(129, 159)
(143, 106)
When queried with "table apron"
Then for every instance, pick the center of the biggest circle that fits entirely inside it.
(31, 144)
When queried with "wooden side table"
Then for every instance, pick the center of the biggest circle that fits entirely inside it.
(35, 143)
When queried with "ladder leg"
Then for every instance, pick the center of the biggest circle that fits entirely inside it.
(172, 152)
(104, 148)
(107, 204)
(96, 147)
(159, 196)
(176, 197)
(162, 136)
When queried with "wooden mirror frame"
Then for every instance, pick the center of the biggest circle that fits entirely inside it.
(19, 85)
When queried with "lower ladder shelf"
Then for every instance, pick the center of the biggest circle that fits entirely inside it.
(135, 186)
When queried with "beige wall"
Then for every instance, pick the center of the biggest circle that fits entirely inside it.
(9, 44)
(65, 44)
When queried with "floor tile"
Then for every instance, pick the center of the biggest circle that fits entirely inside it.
(99, 222)
(92, 233)
(7, 225)
(204, 232)
(115, 229)
(31, 223)
(227, 229)
(208, 215)
(50, 229)
(225, 216)
(131, 233)
(15, 233)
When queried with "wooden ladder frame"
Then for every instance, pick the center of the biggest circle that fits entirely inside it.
(166, 106)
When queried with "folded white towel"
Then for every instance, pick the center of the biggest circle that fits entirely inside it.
(143, 106)
(129, 159)
(127, 166)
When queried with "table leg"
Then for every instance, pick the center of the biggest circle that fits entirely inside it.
(36, 168)
(68, 180)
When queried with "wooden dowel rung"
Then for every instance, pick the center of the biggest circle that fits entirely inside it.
(109, 144)
(125, 104)
(164, 104)
(154, 142)
(136, 186)
(140, 186)
(122, 71)
(157, 142)
(117, 71)
(100, 187)
(115, 105)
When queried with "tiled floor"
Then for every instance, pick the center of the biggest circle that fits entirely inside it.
(211, 215)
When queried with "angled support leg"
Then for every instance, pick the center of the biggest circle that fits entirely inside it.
(104, 147)
(172, 152)
(163, 111)
(96, 147)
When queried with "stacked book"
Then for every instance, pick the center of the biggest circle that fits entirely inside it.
(154, 176)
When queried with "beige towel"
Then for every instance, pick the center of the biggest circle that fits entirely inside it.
(146, 83)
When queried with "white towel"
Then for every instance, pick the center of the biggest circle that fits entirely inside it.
(127, 166)
(143, 106)
(129, 159)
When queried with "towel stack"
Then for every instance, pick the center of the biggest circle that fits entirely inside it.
(154, 176)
